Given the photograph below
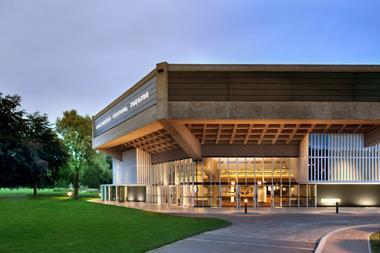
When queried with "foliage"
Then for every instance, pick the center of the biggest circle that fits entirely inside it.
(12, 130)
(30, 151)
(375, 242)
(58, 192)
(84, 162)
(56, 224)
(99, 171)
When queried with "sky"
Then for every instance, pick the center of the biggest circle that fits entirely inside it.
(82, 54)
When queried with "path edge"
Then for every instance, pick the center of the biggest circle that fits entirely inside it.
(322, 242)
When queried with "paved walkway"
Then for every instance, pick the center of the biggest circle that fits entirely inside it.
(348, 240)
(264, 230)
(172, 209)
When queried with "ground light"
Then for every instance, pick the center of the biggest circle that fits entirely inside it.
(330, 201)
(69, 194)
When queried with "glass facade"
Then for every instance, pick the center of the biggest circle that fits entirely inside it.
(258, 181)
(229, 182)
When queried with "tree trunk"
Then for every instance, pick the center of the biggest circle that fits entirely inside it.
(35, 190)
(76, 186)
(76, 192)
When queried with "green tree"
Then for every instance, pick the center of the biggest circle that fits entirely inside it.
(43, 151)
(12, 131)
(31, 154)
(85, 166)
(99, 171)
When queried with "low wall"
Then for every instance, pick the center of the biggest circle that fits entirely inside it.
(349, 194)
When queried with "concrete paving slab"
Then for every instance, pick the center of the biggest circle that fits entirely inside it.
(354, 239)
(264, 230)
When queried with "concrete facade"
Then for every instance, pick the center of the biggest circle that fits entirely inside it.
(263, 114)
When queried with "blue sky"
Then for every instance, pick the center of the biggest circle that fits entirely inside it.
(82, 54)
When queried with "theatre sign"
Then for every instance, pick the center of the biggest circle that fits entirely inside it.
(136, 102)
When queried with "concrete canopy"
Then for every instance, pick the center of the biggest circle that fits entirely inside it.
(201, 108)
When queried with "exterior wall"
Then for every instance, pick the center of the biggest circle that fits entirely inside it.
(120, 131)
(349, 194)
(121, 122)
(342, 158)
(328, 110)
(272, 86)
(129, 165)
(117, 172)
(134, 103)
(133, 169)
(124, 172)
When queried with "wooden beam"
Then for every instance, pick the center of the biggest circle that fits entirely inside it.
(248, 133)
(204, 133)
(277, 134)
(357, 128)
(233, 134)
(263, 134)
(218, 134)
(292, 134)
(372, 137)
(328, 126)
(311, 128)
(342, 128)
(184, 138)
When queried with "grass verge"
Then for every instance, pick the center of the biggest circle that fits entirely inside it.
(59, 224)
(375, 242)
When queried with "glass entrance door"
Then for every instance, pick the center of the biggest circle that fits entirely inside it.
(248, 195)
(261, 181)
(173, 195)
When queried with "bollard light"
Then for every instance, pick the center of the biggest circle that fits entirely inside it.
(245, 205)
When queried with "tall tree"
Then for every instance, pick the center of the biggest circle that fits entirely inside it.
(44, 153)
(12, 132)
(85, 165)
(30, 151)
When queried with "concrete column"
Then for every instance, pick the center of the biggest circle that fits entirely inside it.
(162, 90)
(109, 193)
(315, 196)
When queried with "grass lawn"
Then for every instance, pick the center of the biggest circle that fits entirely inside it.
(58, 224)
(375, 242)
(45, 192)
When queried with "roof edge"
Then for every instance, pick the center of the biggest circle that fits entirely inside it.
(134, 87)
(276, 67)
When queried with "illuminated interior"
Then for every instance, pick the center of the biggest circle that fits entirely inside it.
(229, 182)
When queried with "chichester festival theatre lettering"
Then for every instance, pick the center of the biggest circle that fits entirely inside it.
(124, 109)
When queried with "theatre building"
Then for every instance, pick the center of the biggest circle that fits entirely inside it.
(269, 135)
